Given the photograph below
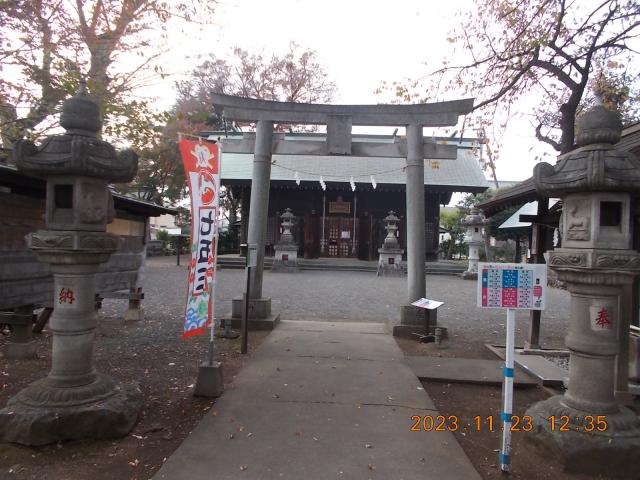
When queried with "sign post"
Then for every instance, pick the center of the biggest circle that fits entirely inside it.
(429, 307)
(510, 286)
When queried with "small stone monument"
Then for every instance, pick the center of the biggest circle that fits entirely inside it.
(473, 237)
(74, 401)
(586, 427)
(390, 259)
(286, 256)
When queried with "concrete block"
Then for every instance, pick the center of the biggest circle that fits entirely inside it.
(258, 307)
(268, 323)
(210, 380)
(134, 315)
(412, 315)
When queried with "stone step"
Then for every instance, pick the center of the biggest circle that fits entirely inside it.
(538, 366)
(431, 269)
(464, 370)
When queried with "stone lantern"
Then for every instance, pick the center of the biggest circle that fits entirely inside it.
(474, 238)
(74, 401)
(586, 427)
(286, 256)
(390, 259)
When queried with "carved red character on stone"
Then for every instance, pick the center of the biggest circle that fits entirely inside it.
(603, 320)
(66, 296)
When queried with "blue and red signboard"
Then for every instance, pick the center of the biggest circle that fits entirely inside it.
(512, 285)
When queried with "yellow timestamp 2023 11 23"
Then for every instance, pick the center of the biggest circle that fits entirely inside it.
(524, 423)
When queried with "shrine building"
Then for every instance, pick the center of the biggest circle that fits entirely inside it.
(333, 219)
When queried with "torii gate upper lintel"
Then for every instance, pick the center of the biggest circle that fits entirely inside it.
(339, 120)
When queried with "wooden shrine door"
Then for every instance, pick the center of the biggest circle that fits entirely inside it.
(340, 236)
(311, 236)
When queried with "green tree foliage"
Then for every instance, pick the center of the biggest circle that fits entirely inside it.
(163, 236)
(451, 221)
(562, 53)
(46, 46)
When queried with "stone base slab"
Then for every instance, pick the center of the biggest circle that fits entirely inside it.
(134, 315)
(469, 275)
(286, 266)
(111, 417)
(409, 331)
(268, 323)
(210, 382)
(412, 315)
(19, 350)
(607, 453)
(415, 320)
(258, 308)
(393, 270)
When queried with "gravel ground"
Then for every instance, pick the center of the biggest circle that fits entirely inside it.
(353, 296)
(151, 353)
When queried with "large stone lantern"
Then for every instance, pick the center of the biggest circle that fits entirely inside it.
(74, 401)
(390, 258)
(286, 254)
(474, 223)
(586, 426)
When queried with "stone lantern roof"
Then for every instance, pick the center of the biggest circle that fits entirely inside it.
(474, 219)
(391, 217)
(287, 216)
(78, 152)
(596, 165)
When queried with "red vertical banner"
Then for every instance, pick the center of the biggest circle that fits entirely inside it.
(201, 162)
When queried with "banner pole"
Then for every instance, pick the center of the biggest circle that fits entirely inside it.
(215, 262)
(507, 409)
(212, 300)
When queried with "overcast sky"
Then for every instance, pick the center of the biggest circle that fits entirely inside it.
(361, 43)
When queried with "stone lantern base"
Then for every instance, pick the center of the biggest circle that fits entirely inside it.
(390, 262)
(42, 413)
(469, 275)
(608, 452)
(286, 258)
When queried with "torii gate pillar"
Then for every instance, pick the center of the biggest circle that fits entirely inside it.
(258, 213)
(411, 318)
(339, 120)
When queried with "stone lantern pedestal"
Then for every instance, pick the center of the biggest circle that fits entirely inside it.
(587, 428)
(286, 256)
(73, 401)
(390, 254)
(474, 222)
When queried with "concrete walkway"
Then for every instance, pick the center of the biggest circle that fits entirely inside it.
(321, 401)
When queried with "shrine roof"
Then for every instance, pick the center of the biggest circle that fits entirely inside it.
(462, 174)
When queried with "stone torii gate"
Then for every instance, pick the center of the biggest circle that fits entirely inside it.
(339, 120)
